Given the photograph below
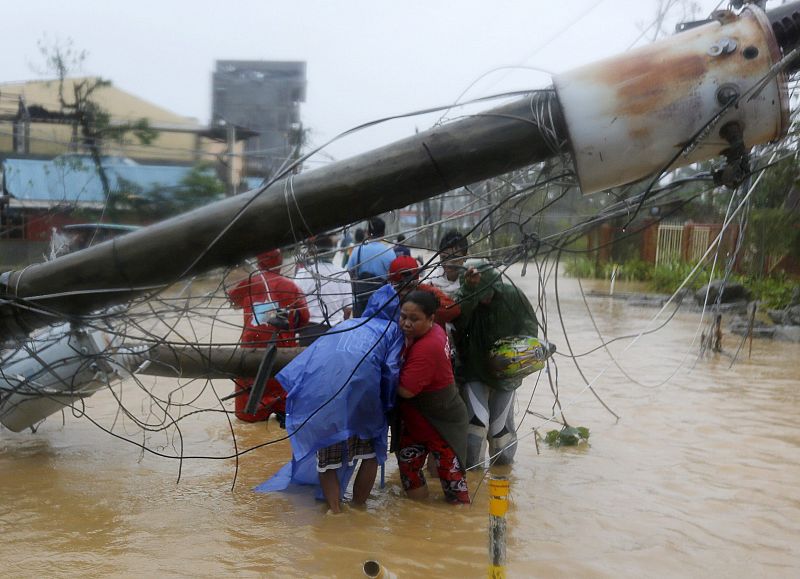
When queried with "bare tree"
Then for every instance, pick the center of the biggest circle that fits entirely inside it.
(91, 123)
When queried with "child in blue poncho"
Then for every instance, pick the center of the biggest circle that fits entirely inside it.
(338, 393)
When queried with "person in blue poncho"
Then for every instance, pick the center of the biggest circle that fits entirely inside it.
(338, 393)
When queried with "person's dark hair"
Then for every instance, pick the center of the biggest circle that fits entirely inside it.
(426, 301)
(376, 227)
(323, 243)
(359, 235)
(401, 238)
(453, 239)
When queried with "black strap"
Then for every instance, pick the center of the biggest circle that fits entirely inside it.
(260, 382)
(358, 260)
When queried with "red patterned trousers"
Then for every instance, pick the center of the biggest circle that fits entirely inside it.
(418, 439)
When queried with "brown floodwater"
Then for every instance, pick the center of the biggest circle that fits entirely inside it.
(698, 477)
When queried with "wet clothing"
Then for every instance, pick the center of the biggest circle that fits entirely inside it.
(341, 453)
(266, 294)
(371, 257)
(411, 459)
(438, 279)
(423, 370)
(341, 386)
(448, 309)
(273, 401)
(444, 410)
(327, 290)
(490, 400)
(328, 293)
(369, 269)
(434, 420)
(491, 413)
(480, 325)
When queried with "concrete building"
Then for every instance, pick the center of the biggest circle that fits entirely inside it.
(30, 124)
(264, 97)
(48, 180)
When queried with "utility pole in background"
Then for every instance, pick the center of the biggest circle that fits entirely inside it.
(22, 129)
(231, 181)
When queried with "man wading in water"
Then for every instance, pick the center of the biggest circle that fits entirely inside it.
(490, 310)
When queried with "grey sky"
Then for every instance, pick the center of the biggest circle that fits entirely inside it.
(366, 59)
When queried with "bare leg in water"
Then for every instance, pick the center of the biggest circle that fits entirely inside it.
(365, 480)
(329, 481)
(418, 493)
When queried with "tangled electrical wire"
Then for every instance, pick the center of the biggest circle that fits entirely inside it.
(532, 217)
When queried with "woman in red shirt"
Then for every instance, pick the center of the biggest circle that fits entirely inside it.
(433, 417)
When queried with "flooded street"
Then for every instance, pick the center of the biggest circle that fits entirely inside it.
(699, 477)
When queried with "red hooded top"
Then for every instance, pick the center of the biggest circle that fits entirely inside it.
(406, 269)
(269, 291)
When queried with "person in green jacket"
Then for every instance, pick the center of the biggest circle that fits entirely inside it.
(490, 310)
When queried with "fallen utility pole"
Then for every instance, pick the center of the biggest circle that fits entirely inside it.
(224, 233)
(718, 88)
(215, 362)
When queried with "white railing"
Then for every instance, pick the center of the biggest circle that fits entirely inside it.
(669, 243)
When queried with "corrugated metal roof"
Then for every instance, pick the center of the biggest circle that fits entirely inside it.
(74, 178)
(253, 182)
(119, 103)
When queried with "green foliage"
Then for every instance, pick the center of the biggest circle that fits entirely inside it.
(776, 183)
(552, 437)
(81, 109)
(636, 270)
(583, 267)
(199, 187)
(567, 436)
(771, 232)
(632, 270)
(773, 292)
(580, 266)
(668, 277)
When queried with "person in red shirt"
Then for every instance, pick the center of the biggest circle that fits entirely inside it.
(273, 308)
(404, 277)
(433, 417)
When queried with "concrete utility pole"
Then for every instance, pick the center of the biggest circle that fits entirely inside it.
(22, 128)
(223, 233)
(717, 88)
(232, 173)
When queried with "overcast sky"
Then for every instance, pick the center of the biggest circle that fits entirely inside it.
(366, 59)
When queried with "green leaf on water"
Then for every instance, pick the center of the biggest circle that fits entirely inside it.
(567, 436)
(552, 438)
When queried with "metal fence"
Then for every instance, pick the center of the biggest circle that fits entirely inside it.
(669, 244)
(699, 239)
(682, 242)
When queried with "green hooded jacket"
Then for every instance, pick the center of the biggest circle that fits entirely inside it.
(480, 325)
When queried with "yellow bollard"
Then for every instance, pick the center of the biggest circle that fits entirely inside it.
(498, 506)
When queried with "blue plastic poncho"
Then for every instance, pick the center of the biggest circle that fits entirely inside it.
(342, 385)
